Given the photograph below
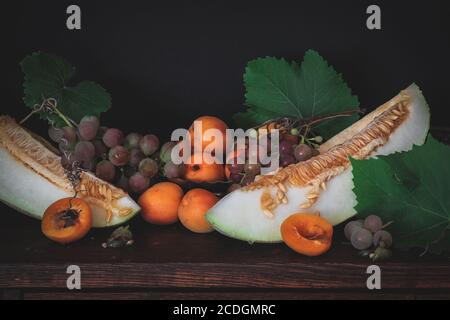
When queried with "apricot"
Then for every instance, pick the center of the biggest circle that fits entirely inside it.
(209, 122)
(193, 208)
(203, 172)
(307, 234)
(67, 220)
(159, 204)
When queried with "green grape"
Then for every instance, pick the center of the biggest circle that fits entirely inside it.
(165, 154)
(132, 140)
(148, 167)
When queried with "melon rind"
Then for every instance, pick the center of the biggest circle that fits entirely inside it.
(32, 178)
(239, 214)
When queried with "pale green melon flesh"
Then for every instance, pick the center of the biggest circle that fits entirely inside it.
(239, 214)
(29, 192)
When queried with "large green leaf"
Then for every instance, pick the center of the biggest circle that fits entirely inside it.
(411, 189)
(48, 76)
(277, 88)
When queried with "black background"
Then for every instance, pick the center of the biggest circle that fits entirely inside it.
(166, 63)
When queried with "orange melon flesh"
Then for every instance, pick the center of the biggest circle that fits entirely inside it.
(32, 178)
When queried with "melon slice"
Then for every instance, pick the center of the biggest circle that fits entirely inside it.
(32, 177)
(324, 183)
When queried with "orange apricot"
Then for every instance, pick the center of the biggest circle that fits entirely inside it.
(307, 234)
(159, 204)
(193, 208)
(203, 172)
(209, 122)
(67, 220)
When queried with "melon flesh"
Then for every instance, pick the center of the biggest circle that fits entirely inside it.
(239, 214)
(32, 178)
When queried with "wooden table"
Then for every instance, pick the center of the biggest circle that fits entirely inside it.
(170, 263)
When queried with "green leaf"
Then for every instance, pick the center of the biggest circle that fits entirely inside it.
(411, 189)
(277, 88)
(48, 76)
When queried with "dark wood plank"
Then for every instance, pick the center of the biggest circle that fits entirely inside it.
(237, 295)
(228, 275)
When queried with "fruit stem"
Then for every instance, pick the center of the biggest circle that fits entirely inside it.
(313, 120)
(50, 105)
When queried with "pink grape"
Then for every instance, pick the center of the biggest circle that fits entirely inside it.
(113, 137)
(88, 127)
(172, 170)
(138, 183)
(149, 144)
(85, 151)
(148, 167)
(132, 140)
(361, 239)
(136, 156)
(373, 223)
(382, 238)
(105, 170)
(119, 156)
(351, 227)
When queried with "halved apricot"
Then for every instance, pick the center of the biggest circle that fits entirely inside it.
(67, 220)
(308, 234)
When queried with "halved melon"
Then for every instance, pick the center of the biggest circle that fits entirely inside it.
(324, 183)
(32, 178)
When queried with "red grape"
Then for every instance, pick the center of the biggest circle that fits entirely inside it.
(138, 183)
(119, 156)
(172, 170)
(113, 137)
(105, 170)
(303, 152)
(88, 127)
(136, 157)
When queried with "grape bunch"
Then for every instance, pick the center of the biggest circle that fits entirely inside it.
(129, 162)
(369, 233)
(293, 148)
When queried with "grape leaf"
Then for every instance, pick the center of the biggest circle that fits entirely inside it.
(411, 189)
(277, 88)
(48, 76)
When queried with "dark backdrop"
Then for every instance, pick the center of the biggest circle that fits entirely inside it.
(165, 63)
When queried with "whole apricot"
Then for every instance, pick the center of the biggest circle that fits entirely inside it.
(159, 204)
(193, 208)
(203, 172)
(208, 122)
